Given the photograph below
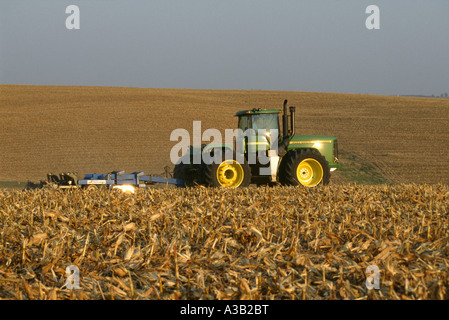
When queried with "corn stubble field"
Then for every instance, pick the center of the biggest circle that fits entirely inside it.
(387, 206)
(206, 243)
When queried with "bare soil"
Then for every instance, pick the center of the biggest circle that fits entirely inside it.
(382, 139)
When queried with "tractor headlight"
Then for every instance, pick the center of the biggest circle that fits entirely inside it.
(335, 151)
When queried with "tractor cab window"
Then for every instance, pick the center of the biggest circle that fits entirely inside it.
(265, 121)
(244, 123)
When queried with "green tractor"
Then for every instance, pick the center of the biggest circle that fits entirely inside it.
(262, 155)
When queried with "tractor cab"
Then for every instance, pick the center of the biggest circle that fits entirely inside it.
(258, 119)
(258, 127)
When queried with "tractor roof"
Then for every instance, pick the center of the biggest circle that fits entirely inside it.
(257, 111)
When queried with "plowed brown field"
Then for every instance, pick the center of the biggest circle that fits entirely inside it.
(101, 129)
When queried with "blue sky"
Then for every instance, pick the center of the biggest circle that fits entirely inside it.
(319, 45)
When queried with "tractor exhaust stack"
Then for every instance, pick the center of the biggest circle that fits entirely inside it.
(292, 121)
(285, 121)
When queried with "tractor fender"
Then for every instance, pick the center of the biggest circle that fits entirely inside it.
(208, 150)
(221, 146)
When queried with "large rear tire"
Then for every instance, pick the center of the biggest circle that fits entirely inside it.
(228, 173)
(182, 171)
(305, 167)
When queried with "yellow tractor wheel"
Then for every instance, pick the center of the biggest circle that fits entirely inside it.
(306, 167)
(309, 172)
(228, 173)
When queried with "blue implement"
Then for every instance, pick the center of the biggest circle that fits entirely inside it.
(120, 178)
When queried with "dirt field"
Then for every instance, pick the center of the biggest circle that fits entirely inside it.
(44, 129)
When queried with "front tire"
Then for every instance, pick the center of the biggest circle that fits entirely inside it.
(305, 167)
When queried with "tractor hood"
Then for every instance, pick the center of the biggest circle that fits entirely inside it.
(326, 145)
(311, 139)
